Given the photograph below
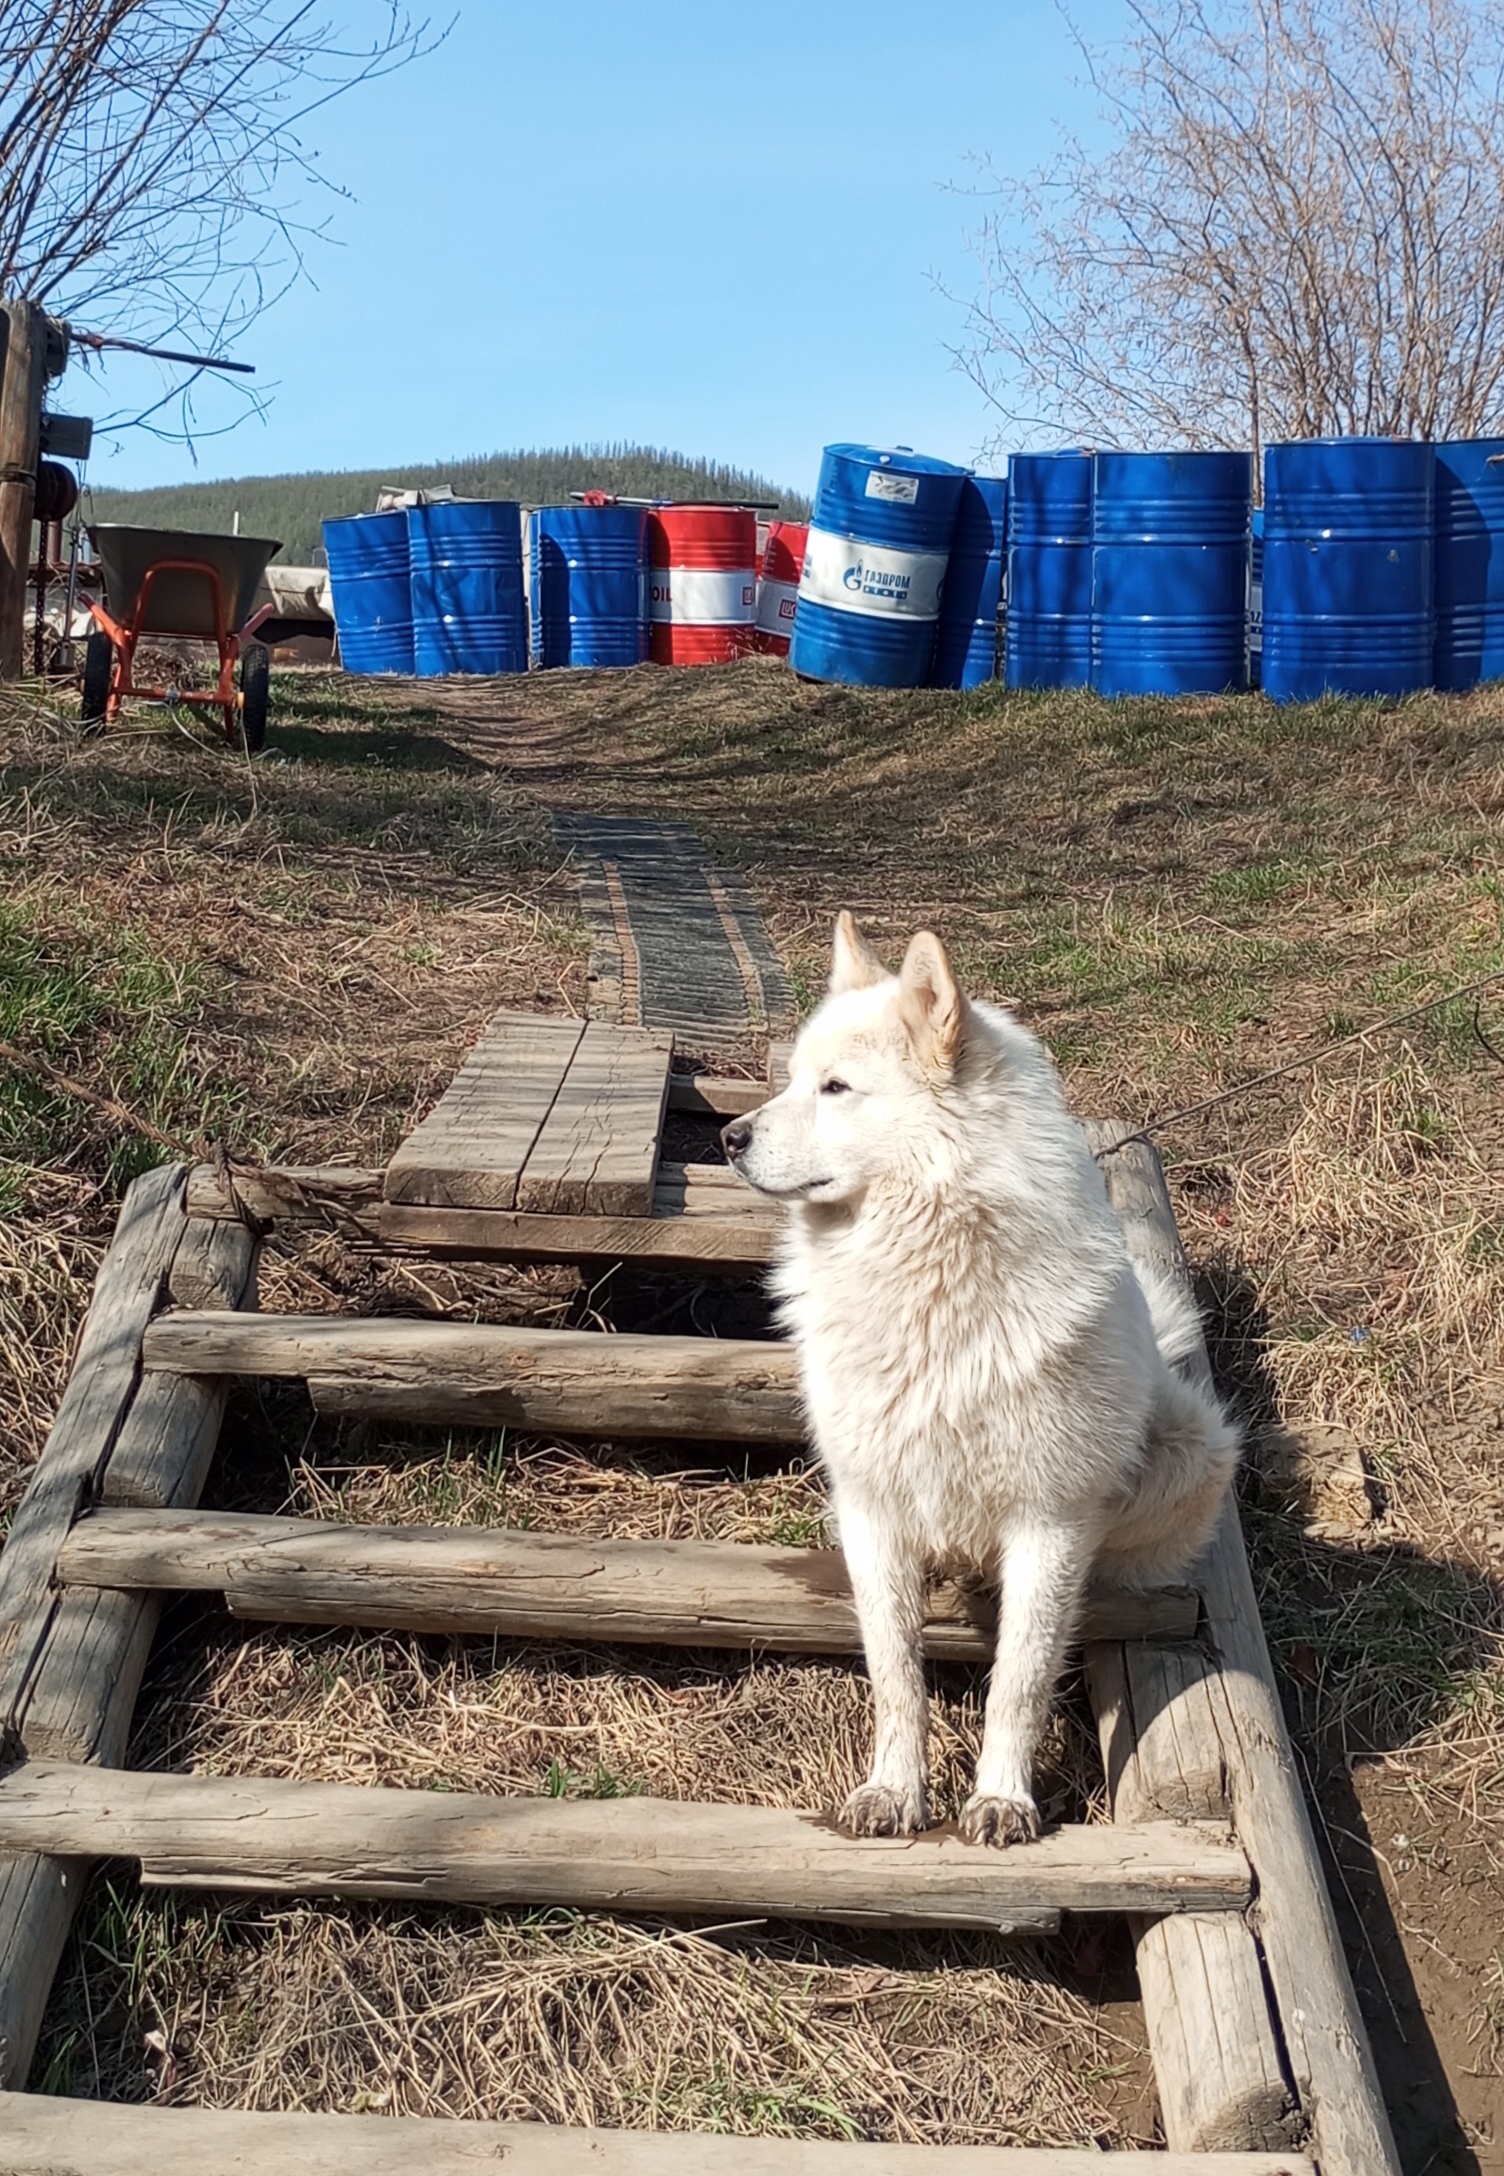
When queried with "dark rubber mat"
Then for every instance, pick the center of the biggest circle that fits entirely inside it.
(677, 942)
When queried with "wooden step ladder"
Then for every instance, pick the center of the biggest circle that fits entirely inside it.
(547, 1148)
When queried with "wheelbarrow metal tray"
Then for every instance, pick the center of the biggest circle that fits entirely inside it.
(182, 602)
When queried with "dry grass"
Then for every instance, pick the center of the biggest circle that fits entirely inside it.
(289, 955)
(1176, 896)
(571, 2019)
(555, 1721)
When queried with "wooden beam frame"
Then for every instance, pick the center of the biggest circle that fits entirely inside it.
(625, 1854)
(44, 2136)
(487, 1581)
(485, 1374)
(704, 1220)
(1233, 1714)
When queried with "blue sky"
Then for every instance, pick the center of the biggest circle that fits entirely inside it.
(694, 225)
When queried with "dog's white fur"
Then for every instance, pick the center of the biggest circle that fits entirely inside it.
(988, 1382)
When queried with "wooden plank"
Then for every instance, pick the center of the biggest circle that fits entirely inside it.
(715, 1095)
(1216, 2053)
(699, 1222)
(168, 1438)
(47, 2136)
(80, 1699)
(712, 1193)
(87, 1660)
(625, 1854)
(38, 1898)
(544, 1586)
(1324, 2037)
(471, 1148)
(488, 1375)
(597, 1151)
(779, 1054)
(105, 1365)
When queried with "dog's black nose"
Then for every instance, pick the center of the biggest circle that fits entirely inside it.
(737, 1137)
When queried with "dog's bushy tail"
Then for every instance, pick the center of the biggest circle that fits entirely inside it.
(1190, 1455)
(1172, 1310)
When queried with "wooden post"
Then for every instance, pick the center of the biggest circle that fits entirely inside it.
(23, 361)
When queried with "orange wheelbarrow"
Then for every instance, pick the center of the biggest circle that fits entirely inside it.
(187, 587)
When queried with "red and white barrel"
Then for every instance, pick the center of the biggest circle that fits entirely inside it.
(702, 583)
(778, 585)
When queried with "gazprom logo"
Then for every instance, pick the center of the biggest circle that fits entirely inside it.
(864, 581)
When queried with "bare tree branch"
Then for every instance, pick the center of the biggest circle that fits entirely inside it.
(153, 177)
(1297, 229)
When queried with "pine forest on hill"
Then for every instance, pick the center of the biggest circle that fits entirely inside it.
(292, 507)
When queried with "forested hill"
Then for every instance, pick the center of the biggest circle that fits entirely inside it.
(291, 507)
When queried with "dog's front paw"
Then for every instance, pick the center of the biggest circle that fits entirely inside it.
(876, 1810)
(999, 1820)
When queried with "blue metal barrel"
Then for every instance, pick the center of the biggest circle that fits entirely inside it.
(1469, 562)
(589, 585)
(1256, 598)
(1347, 568)
(1048, 640)
(1169, 594)
(368, 578)
(469, 613)
(966, 632)
(874, 566)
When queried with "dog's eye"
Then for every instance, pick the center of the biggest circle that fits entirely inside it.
(835, 1088)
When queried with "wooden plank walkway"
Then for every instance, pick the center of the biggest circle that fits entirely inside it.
(548, 1116)
(478, 1580)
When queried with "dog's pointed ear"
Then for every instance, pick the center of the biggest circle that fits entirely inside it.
(930, 1003)
(853, 963)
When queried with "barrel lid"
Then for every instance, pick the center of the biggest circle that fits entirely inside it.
(902, 458)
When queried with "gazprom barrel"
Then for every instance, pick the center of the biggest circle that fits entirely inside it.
(1469, 562)
(469, 613)
(1048, 636)
(1169, 579)
(874, 565)
(1347, 567)
(1256, 598)
(778, 586)
(589, 594)
(370, 584)
(966, 634)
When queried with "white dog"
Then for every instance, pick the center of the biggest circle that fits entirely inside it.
(987, 1380)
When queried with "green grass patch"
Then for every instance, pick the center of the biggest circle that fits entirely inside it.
(114, 1009)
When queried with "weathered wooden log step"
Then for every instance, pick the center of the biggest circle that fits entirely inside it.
(45, 2135)
(584, 1382)
(703, 1218)
(623, 1854)
(455, 1579)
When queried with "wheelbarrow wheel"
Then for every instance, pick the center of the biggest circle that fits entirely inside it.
(255, 695)
(99, 657)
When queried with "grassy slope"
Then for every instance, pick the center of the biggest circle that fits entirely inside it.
(1175, 896)
(291, 507)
